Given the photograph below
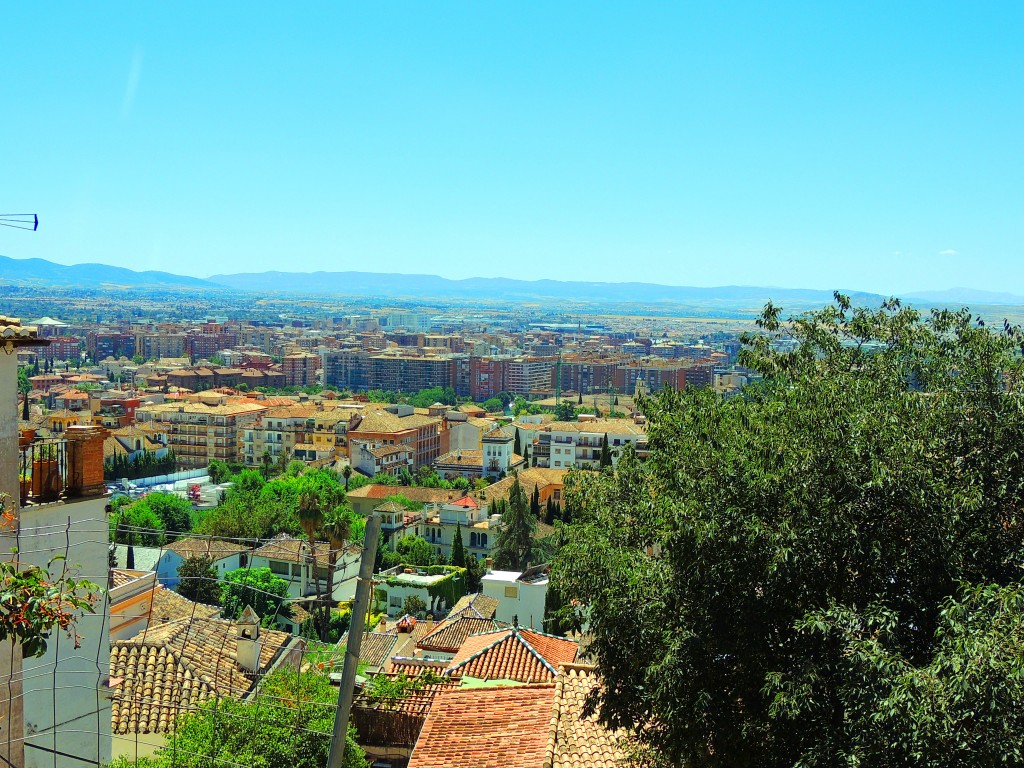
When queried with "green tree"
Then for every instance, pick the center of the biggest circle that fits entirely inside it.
(606, 454)
(218, 472)
(175, 513)
(287, 722)
(458, 548)
(535, 502)
(514, 547)
(806, 574)
(565, 411)
(136, 525)
(492, 405)
(257, 587)
(347, 474)
(414, 606)
(198, 580)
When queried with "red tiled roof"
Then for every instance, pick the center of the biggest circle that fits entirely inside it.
(448, 636)
(486, 728)
(513, 654)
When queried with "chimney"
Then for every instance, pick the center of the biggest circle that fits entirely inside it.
(248, 648)
(488, 564)
(85, 459)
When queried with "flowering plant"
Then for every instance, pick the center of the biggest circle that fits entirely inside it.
(34, 601)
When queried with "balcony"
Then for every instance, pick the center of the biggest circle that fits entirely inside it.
(58, 469)
(43, 471)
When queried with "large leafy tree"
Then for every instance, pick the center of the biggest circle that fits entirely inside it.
(198, 580)
(287, 722)
(257, 587)
(514, 547)
(824, 570)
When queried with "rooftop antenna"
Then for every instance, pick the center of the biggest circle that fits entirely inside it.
(27, 221)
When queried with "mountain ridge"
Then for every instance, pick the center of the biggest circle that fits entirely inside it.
(424, 286)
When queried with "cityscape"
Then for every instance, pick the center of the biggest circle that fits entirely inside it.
(512, 387)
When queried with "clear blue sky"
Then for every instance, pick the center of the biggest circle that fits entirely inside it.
(871, 145)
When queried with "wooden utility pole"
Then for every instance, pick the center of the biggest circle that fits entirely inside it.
(364, 594)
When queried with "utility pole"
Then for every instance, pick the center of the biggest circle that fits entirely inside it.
(364, 593)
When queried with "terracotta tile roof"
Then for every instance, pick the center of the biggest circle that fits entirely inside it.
(449, 635)
(168, 605)
(292, 550)
(413, 493)
(385, 421)
(486, 728)
(513, 654)
(411, 667)
(190, 547)
(578, 741)
(461, 458)
(389, 506)
(477, 605)
(121, 576)
(388, 450)
(178, 664)
(375, 648)
(154, 687)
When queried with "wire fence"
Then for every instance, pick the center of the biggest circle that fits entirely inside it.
(88, 705)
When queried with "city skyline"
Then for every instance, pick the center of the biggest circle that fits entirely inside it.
(867, 149)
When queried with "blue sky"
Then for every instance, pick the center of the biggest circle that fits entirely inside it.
(874, 146)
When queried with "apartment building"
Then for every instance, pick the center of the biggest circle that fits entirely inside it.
(577, 444)
(199, 432)
(160, 345)
(300, 369)
(426, 435)
(103, 344)
(62, 348)
(530, 375)
(277, 431)
(586, 375)
(487, 377)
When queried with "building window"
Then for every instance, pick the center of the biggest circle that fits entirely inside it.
(512, 592)
(276, 566)
(395, 601)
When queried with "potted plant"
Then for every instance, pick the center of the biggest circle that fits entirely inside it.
(25, 484)
(26, 437)
(46, 480)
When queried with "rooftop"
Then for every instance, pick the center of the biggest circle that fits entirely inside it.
(516, 654)
(486, 728)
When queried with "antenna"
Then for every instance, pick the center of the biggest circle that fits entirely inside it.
(27, 221)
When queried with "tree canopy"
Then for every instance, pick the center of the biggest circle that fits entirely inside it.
(288, 722)
(514, 547)
(257, 587)
(198, 580)
(825, 569)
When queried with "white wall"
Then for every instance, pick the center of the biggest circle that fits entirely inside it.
(527, 604)
(66, 693)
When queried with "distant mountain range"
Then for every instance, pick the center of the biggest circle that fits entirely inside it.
(43, 272)
(398, 286)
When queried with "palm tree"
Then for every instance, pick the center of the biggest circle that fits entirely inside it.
(267, 458)
(346, 473)
(338, 530)
(311, 517)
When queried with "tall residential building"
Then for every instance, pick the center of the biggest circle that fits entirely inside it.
(300, 369)
(527, 375)
(199, 433)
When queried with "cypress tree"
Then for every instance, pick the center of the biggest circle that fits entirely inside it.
(606, 454)
(515, 546)
(535, 502)
(458, 548)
